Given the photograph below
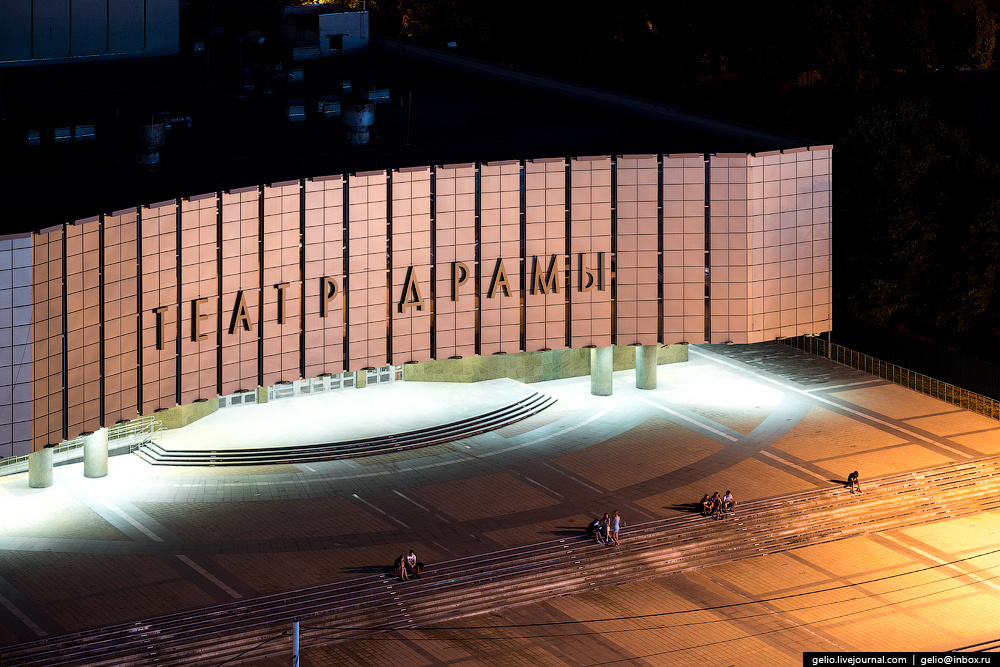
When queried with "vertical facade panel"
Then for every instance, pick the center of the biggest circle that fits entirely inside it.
(683, 249)
(47, 339)
(368, 306)
(160, 307)
(590, 252)
(282, 321)
(240, 289)
(500, 256)
(83, 327)
(636, 258)
(412, 303)
(50, 28)
(545, 255)
(732, 238)
(16, 373)
(821, 194)
(455, 256)
(121, 307)
(199, 313)
(324, 271)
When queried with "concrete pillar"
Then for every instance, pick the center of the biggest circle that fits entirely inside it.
(40, 468)
(602, 366)
(645, 366)
(95, 453)
(360, 379)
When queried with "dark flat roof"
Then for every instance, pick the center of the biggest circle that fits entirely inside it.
(434, 116)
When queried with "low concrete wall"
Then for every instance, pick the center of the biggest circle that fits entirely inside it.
(182, 415)
(529, 367)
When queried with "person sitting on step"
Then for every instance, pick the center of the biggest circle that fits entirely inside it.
(853, 482)
(706, 505)
(728, 502)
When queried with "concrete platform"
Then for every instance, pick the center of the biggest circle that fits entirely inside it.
(763, 421)
(345, 415)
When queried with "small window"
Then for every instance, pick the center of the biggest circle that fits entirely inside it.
(336, 43)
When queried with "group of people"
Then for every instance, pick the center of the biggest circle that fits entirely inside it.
(607, 529)
(408, 566)
(717, 506)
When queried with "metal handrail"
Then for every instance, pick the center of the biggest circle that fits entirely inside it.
(904, 377)
(132, 434)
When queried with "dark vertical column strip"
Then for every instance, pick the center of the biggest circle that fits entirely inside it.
(523, 229)
(100, 309)
(479, 203)
(180, 310)
(568, 274)
(708, 248)
(260, 283)
(347, 269)
(139, 308)
(389, 296)
(433, 290)
(302, 278)
(220, 282)
(659, 248)
(65, 342)
(614, 250)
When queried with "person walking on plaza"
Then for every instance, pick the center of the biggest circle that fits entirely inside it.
(616, 523)
(853, 482)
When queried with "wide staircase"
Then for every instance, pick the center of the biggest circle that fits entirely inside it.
(463, 587)
(156, 454)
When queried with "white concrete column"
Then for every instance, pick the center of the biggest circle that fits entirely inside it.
(95, 453)
(40, 468)
(645, 366)
(602, 366)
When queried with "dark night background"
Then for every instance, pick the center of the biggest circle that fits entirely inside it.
(906, 92)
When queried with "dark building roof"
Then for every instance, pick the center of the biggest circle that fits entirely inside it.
(434, 115)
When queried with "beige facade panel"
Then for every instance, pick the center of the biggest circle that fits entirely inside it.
(160, 324)
(413, 299)
(282, 311)
(456, 307)
(83, 327)
(199, 298)
(121, 321)
(590, 252)
(323, 248)
(500, 288)
(770, 249)
(637, 256)
(684, 258)
(47, 339)
(217, 293)
(545, 262)
(240, 290)
(367, 267)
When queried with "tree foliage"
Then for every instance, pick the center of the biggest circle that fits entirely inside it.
(918, 214)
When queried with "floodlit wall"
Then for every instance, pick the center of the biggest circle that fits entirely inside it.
(144, 309)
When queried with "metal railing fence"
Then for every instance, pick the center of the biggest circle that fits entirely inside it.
(122, 439)
(898, 375)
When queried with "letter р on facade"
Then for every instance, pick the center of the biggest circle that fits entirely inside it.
(162, 304)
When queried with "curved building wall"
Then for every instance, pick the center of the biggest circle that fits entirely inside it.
(187, 299)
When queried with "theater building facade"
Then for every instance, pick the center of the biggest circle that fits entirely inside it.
(176, 302)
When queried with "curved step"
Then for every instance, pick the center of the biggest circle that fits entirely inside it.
(155, 454)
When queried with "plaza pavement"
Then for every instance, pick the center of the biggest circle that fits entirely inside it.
(762, 420)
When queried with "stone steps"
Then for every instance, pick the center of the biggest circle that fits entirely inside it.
(155, 454)
(533, 573)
